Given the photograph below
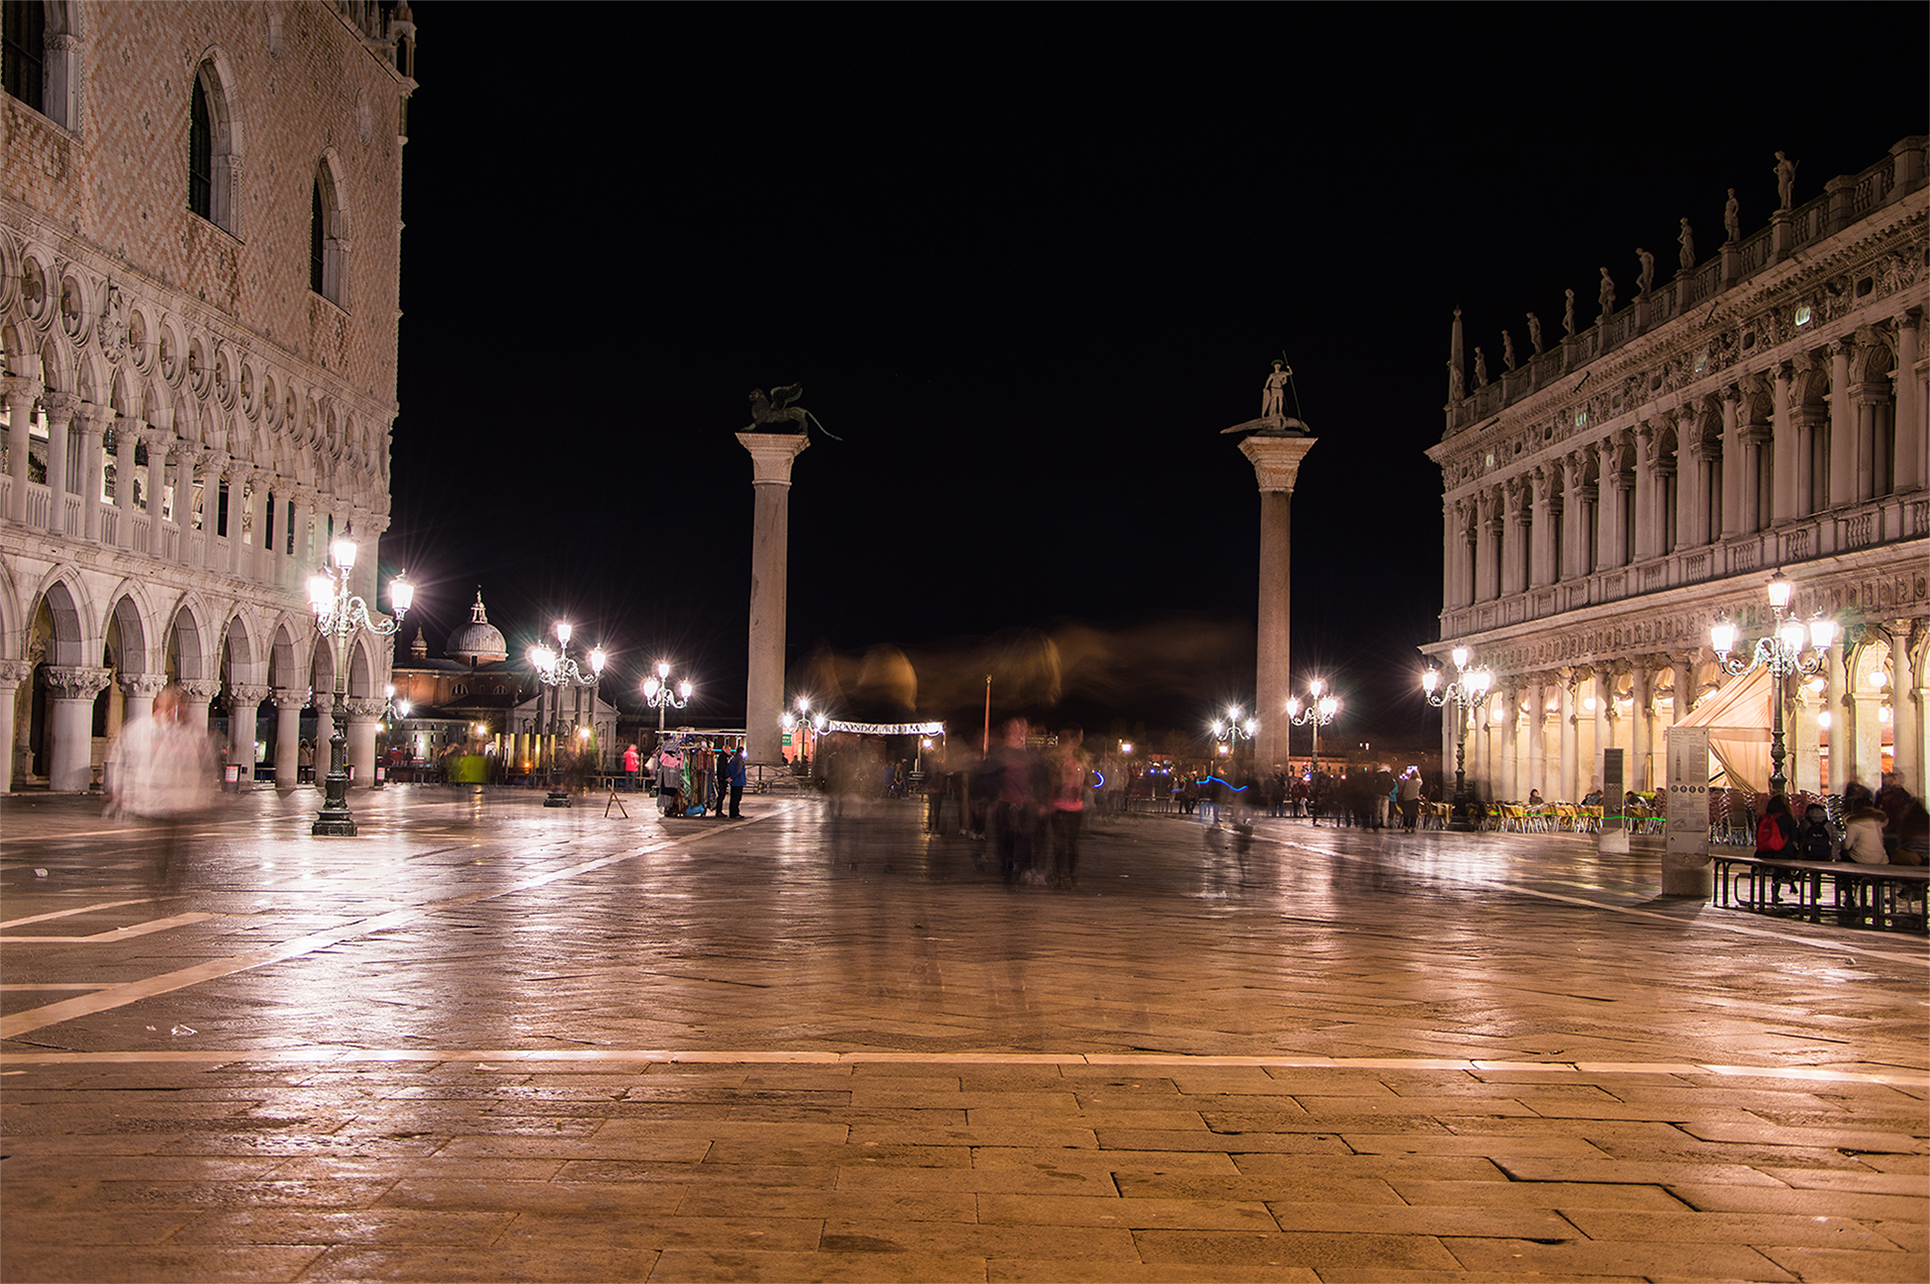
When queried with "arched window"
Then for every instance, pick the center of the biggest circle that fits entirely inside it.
(213, 157)
(25, 34)
(327, 239)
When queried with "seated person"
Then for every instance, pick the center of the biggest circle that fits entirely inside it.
(1534, 798)
(1863, 839)
(1593, 798)
(1817, 838)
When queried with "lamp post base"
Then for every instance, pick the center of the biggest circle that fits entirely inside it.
(556, 798)
(334, 820)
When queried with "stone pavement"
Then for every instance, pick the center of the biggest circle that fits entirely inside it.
(489, 1041)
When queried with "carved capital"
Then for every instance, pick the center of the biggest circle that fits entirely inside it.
(1276, 460)
(246, 695)
(61, 407)
(75, 682)
(772, 454)
(141, 686)
(286, 699)
(200, 690)
(14, 672)
(365, 709)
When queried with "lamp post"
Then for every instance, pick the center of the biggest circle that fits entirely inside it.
(558, 669)
(805, 721)
(660, 695)
(1318, 712)
(1232, 728)
(339, 616)
(1781, 652)
(1465, 688)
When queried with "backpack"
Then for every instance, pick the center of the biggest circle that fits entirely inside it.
(1769, 835)
(1819, 845)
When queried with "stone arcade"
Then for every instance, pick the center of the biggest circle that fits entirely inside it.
(199, 265)
(1606, 499)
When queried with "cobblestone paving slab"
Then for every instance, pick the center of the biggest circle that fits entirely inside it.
(504, 1043)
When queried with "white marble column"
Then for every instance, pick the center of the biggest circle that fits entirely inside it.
(1604, 729)
(61, 408)
(125, 437)
(364, 716)
(12, 674)
(91, 422)
(1735, 466)
(1910, 703)
(158, 442)
(70, 722)
(1570, 768)
(1842, 429)
(21, 393)
(1912, 429)
(1802, 736)
(1640, 772)
(288, 735)
(1276, 457)
(1787, 447)
(197, 694)
(1689, 491)
(244, 706)
(772, 454)
(1608, 506)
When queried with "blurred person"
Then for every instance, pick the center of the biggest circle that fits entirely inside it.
(630, 764)
(1863, 837)
(1856, 794)
(1409, 795)
(163, 771)
(1070, 776)
(1015, 808)
(730, 780)
(670, 765)
(935, 784)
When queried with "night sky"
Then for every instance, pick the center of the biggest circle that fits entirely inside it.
(1027, 263)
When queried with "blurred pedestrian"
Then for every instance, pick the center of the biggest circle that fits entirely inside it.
(1016, 804)
(630, 764)
(163, 770)
(1070, 775)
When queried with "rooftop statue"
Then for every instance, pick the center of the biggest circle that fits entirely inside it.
(1457, 383)
(1646, 277)
(1568, 315)
(1732, 217)
(1480, 369)
(1534, 333)
(1606, 295)
(1785, 179)
(1507, 350)
(1686, 239)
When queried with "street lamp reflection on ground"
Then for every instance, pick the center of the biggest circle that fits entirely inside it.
(558, 669)
(1466, 687)
(339, 616)
(1781, 653)
(1318, 712)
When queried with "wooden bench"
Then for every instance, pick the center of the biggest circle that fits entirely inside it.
(1888, 897)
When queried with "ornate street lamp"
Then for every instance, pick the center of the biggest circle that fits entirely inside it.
(1782, 654)
(1466, 687)
(806, 721)
(1318, 712)
(658, 694)
(558, 669)
(339, 616)
(1232, 728)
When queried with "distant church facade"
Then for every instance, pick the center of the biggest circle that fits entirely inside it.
(200, 248)
(1609, 489)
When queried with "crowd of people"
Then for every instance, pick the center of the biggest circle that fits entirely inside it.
(1887, 827)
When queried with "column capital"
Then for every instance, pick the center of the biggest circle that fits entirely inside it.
(76, 681)
(139, 686)
(200, 690)
(1276, 459)
(771, 455)
(247, 693)
(366, 708)
(286, 699)
(19, 390)
(14, 672)
(61, 407)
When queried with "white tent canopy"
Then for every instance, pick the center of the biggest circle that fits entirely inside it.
(1738, 718)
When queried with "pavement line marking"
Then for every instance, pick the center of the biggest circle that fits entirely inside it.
(1744, 929)
(60, 985)
(83, 909)
(661, 1056)
(113, 934)
(18, 1023)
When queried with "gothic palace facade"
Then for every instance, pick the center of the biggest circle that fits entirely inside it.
(1608, 496)
(200, 244)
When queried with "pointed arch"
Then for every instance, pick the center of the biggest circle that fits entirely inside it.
(73, 640)
(214, 142)
(133, 614)
(328, 231)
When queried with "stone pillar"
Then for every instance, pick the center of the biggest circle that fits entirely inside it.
(1910, 701)
(772, 454)
(137, 695)
(1608, 507)
(1842, 430)
(1912, 434)
(70, 721)
(288, 736)
(1537, 739)
(92, 421)
(12, 674)
(1789, 459)
(61, 408)
(1641, 771)
(124, 449)
(364, 716)
(197, 696)
(157, 442)
(1276, 455)
(244, 706)
(1839, 701)
(303, 556)
(21, 393)
(1604, 731)
(1570, 769)
(1802, 737)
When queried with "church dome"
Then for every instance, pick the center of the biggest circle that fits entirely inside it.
(479, 641)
